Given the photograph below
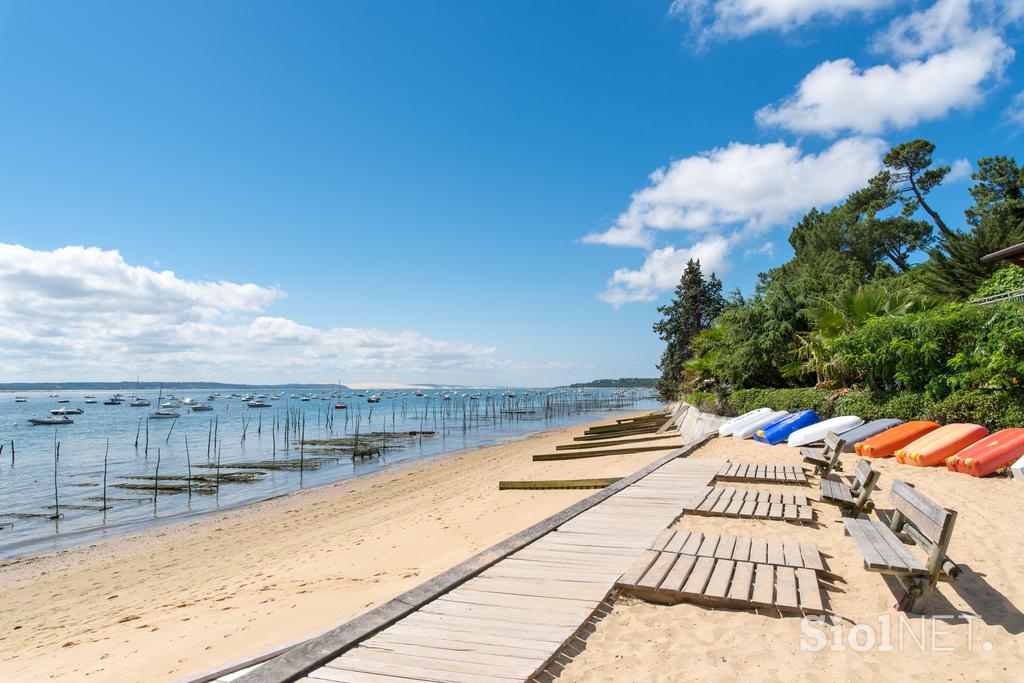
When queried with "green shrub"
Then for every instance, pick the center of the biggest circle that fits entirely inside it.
(1003, 280)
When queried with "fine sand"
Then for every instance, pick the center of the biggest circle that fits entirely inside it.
(638, 641)
(167, 603)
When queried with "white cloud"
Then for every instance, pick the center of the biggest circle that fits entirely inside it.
(838, 96)
(960, 169)
(85, 313)
(661, 270)
(941, 26)
(1014, 113)
(742, 186)
(740, 18)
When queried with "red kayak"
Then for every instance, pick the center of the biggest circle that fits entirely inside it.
(984, 457)
(891, 440)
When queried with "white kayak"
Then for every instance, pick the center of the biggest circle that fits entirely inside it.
(818, 430)
(750, 427)
(728, 426)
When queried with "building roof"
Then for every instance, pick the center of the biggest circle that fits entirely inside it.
(1014, 252)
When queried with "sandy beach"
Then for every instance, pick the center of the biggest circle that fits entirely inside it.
(639, 641)
(168, 603)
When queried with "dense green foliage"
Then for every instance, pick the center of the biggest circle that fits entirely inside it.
(870, 315)
(620, 383)
(696, 304)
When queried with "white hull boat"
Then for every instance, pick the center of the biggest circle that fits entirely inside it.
(727, 427)
(818, 430)
(750, 427)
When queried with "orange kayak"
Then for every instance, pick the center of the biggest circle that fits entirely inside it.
(891, 440)
(933, 448)
(985, 456)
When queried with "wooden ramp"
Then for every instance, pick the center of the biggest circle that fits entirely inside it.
(727, 571)
(509, 621)
(730, 502)
(779, 474)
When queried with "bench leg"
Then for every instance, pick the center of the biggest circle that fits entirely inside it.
(918, 595)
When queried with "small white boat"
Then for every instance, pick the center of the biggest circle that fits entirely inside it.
(164, 415)
(750, 427)
(373, 399)
(727, 427)
(21, 399)
(90, 400)
(66, 411)
(818, 430)
(258, 404)
(139, 402)
(199, 407)
(63, 420)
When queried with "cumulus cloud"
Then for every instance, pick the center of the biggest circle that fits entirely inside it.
(960, 169)
(751, 187)
(939, 27)
(661, 270)
(1014, 113)
(711, 19)
(78, 312)
(838, 96)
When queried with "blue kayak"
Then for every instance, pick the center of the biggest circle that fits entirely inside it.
(779, 431)
(866, 431)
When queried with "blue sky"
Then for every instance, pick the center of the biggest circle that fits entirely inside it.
(449, 191)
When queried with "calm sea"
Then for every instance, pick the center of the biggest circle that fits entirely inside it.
(244, 435)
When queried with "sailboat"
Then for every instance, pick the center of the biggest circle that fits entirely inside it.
(161, 413)
(137, 401)
(339, 405)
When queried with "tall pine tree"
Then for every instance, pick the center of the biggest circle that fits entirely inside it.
(696, 303)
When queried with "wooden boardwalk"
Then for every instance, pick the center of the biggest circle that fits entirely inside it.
(508, 622)
(728, 571)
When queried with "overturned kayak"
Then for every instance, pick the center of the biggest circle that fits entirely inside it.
(730, 426)
(817, 432)
(933, 448)
(780, 431)
(891, 440)
(866, 431)
(985, 456)
(750, 428)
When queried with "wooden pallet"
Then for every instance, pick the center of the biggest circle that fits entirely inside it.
(729, 502)
(728, 571)
(779, 473)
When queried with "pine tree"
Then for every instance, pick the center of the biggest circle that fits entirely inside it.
(695, 304)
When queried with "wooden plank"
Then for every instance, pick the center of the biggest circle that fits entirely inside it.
(764, 586)
(638, 568)
(418, 668)
(776, 555)
(872, 558)
(775, 511)
(549, 588)
(741, 551)
(521, 616)
(513, 662)
(759, 550)
(663, 539)
(748, 508)
(720, 507)
(339, 676)
(734, 507)
(679, 573)
(698, 576)
(762, 510)
(658, 571)
(811, 556)
(677, 542)
(810, 593)
(465, 639)
(789, 512)
(693, 543)
(785, 588)
(791, 551)
(742, 579)
(718, 584)
(805, 513)
(926, 515)
(707, 548)
(725, 547)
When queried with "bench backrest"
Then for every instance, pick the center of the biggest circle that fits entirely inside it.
(932, 524)
(861, 474)
(833, 443)
(929, 518)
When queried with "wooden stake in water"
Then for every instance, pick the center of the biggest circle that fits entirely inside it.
(56, 498)
(156, 479)
(138, 428)
(105, 454)
(188, 460)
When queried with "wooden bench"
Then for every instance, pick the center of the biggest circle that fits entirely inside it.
(828, 459)
(915, 519)
(853, 498)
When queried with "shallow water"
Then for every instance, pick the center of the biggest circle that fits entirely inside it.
(27, 478)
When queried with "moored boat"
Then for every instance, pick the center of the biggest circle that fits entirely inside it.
(62, 420)
(66, 411)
